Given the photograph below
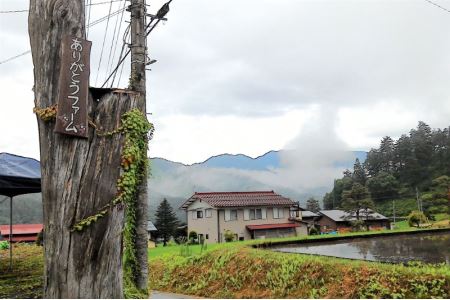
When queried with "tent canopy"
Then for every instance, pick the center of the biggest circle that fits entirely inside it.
(19, 175)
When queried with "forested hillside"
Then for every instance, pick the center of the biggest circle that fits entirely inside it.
(413, 170)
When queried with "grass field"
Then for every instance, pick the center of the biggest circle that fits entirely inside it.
(234, 270)
(244, 272)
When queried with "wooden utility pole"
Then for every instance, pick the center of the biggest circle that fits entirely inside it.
(137, 83)
(80, 175)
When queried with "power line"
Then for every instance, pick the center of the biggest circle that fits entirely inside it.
(14, 57)
(103, 44)
(159, 16)
(13, 11)
(26, 10)
(98, 21)
(114, 39)
(437, 5)
(89, 17)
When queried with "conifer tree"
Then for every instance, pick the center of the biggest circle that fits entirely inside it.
(166, 221)
(312, 204)
(357, 200)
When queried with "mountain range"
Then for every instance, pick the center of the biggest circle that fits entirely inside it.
(288, 173)
(238, 172)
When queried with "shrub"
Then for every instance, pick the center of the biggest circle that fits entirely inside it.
(314, 231)
(415, 218)
(192, 237)
(4, 245)
(358, 225)
(228, 235)
(40, 238)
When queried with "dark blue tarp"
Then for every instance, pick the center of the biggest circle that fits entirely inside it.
(19, 175)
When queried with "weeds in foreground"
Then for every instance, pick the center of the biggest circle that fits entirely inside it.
(253, 273)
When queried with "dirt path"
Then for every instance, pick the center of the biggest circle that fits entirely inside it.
(163, 295)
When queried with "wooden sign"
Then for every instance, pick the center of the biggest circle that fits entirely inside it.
(72, 116)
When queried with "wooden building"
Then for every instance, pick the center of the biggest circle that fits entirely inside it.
(340, 221)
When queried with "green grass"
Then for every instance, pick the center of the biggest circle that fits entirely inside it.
(244, 272)
(231, 270)
(171, 251)
(26, 279)
(442, 217)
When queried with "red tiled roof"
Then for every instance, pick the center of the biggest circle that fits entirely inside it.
(240, 199)
(272, 226)
(19, 229)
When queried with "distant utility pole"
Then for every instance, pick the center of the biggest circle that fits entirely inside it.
(419, 206)
(137, 83)
(393, 210)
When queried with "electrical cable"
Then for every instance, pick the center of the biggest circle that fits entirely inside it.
(88, 19)
(26, 10)
(437, 5)
(98, 21)
(14, 57)
(103, 44)
(125, 35)
(114, 38)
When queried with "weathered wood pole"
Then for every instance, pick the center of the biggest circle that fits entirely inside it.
(137, 83)
(78, 175)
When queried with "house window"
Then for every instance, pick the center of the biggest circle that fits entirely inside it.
(199, 214)
(278, 213)
(233, 214)
(207, 236)
(230, 215)
(208, 213)
(255, 214)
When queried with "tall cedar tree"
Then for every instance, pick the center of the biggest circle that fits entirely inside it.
(312, 204)
(359, 173)
(357, 200)
(166, 221)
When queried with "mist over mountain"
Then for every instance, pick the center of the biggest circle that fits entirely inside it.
(280, 171)
(275, 170)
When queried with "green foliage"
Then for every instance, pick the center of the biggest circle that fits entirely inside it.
(314, 231)
(233, 270)
(359, 173)
(416, 218)
(166, 221)
(383, 186)
(134, 163)
(397, 167)
(40, 238)
(358, 225)
(192, 236)
(228, 236)
(357, 200)
(4, 245)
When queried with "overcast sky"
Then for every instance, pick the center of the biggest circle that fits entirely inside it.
(253, 76)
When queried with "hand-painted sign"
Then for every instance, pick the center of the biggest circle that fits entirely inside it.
(72, 116)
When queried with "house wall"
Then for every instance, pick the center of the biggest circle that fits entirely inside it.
(302, 229)
(239, 226)
(326, 224)
(378, 224)
(205, 226)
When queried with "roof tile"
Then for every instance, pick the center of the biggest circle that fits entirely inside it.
(240, 199)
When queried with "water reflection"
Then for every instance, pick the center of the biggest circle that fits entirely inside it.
(426, 247)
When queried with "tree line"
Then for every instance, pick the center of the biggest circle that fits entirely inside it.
(416, 165)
